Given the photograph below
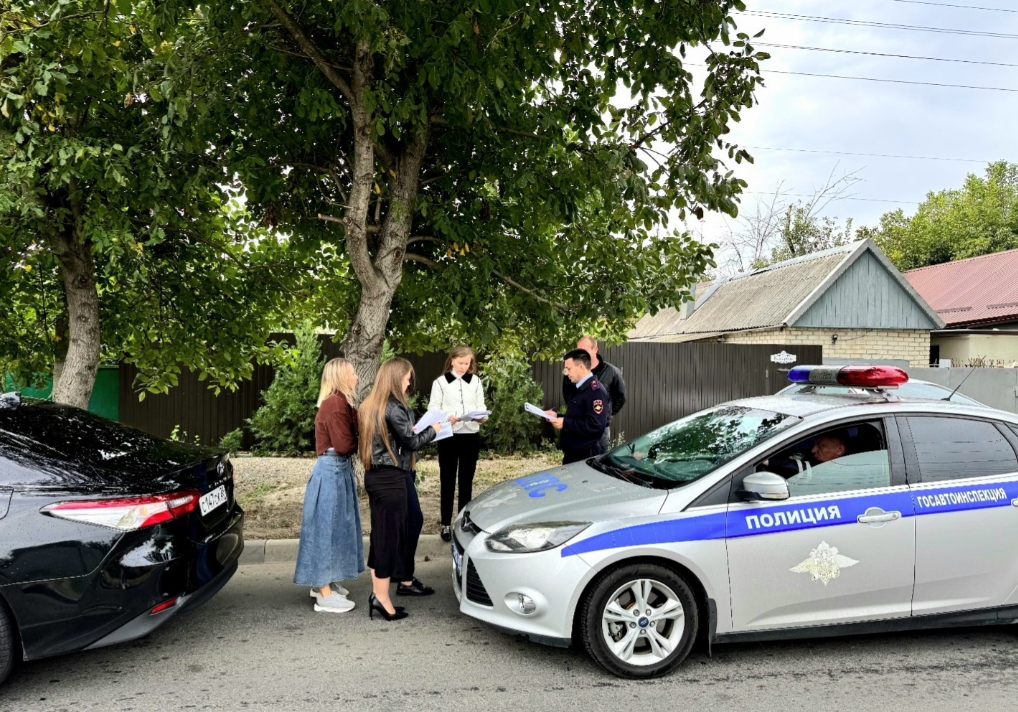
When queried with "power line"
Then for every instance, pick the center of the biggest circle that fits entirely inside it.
(883, 25)
(961, 7)
(882, 54)
(868, 155)
(891, 81)
(804, 195)
(875, 79)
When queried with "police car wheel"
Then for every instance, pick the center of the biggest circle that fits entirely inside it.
(6, 645)
(640, 621)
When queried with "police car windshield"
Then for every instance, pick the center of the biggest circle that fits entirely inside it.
(688, 449)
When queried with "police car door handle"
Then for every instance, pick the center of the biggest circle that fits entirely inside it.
(875, 515)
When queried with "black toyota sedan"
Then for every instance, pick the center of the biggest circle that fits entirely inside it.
(106, 532)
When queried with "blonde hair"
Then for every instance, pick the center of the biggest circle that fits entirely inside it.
(460, 352)
(388, 384)
(336, 379)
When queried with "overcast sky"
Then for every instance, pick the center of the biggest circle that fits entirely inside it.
(827, 114)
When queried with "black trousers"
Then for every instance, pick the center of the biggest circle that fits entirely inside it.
(569, 456)
(458, 453)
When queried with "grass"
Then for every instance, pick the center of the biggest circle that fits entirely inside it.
(271, 489)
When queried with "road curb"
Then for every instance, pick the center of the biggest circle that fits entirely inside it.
(282, 551)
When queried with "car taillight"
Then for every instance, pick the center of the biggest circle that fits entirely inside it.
(128, 514)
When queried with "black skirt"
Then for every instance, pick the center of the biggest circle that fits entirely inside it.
(386, 487)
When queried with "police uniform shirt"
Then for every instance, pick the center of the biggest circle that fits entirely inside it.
(587, 414)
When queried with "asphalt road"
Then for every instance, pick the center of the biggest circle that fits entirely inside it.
(259, 646)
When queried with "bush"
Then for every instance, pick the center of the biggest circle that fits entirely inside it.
(232, 441)
(509, 384)
(286, 421)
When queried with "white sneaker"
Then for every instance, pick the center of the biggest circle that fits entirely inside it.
(334, 604)
(336, 588)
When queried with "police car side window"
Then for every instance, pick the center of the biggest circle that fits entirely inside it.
(956, 448)
(842, 459)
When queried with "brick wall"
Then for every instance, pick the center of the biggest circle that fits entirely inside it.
(905, 344)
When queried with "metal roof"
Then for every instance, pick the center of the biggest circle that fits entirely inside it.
(767, 298)
(979, 290)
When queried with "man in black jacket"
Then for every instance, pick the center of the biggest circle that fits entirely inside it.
(608, 376)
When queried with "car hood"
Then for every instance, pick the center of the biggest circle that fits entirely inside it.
(575, 492)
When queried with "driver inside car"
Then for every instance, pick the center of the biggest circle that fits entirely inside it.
(827, 447)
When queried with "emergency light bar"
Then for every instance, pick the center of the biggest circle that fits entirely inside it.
(854, 376)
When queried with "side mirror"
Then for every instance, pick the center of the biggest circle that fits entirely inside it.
(765, 485)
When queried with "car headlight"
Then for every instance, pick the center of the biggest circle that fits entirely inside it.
(531, 537)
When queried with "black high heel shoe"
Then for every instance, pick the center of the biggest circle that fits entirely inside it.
(375, 605)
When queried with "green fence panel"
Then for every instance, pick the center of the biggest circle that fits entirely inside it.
(105, 399)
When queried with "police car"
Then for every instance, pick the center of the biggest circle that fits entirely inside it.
(776, 517)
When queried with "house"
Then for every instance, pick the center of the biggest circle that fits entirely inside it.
(851, 300)
(978, 300)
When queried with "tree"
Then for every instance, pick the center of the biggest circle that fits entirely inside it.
(981, 218)
(778, 230)
(511, 164)
(116, 239)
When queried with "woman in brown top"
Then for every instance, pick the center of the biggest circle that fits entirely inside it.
(331, 544)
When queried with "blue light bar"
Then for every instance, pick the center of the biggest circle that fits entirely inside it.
(800, 374)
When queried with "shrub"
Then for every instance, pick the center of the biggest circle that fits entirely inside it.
(509, 384)
(286, 421)
(232, 441)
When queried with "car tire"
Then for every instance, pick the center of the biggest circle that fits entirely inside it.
(6, 645)
(623, 638)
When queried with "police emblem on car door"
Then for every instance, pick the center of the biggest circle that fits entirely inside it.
(836, 545)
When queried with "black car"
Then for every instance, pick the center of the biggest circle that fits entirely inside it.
(106, 532)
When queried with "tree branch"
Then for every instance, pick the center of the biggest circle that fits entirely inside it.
(425, 238)
(283, 50)
(411, 257)
(533, 294)
(310, 49)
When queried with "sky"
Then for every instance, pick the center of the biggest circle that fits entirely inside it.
(828, 114)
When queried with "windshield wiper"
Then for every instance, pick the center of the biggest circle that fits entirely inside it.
(630, 476)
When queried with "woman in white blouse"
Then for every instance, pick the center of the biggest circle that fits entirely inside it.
(458, 391)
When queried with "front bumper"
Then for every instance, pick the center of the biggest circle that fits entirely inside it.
(488, 584)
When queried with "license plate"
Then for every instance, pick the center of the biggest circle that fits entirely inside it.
(213, 499)
(457, 562)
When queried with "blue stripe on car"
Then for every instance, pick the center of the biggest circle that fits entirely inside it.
(794, 517)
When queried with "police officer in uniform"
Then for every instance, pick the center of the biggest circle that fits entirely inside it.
(587, 412)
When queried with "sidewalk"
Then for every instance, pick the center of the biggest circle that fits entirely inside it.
(281, 551)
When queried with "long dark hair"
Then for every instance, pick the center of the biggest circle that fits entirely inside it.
(371, 415)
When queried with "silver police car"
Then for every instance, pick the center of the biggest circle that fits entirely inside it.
(774, 517)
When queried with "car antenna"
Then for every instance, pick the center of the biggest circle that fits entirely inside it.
(959, 385)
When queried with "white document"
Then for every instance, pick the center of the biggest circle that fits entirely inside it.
(477, 415)
(429, 419)
(445, 432)
(534, 410)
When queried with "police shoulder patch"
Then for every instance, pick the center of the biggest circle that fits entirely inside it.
(599, 406)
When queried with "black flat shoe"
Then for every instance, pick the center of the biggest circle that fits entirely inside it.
(375, 606)
(446, 534)
(416, 588)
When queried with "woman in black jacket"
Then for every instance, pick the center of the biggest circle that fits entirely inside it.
(388, 447)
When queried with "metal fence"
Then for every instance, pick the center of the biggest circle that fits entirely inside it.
(995, 387)
(664, 382)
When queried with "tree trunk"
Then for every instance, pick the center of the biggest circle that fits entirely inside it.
(379, 274)
(363, 345)
(76, 378)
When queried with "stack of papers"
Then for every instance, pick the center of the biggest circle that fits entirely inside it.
(445, 432)
(430, 418)
(534, 410)
(476, 415)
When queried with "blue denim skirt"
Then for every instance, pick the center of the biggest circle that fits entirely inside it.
(331, 543)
